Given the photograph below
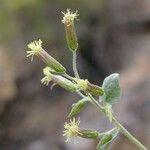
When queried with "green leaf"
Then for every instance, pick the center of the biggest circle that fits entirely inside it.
(112, 91)
(106, 140)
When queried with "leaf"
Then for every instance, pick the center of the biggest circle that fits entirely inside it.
(109, 111)
(112, 91)
(106, 140)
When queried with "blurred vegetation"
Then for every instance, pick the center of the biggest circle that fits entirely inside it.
(38, 18)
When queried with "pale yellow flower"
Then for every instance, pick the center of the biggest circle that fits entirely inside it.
(69, 17)
(71, 129)
(47, 78)
(35, 48)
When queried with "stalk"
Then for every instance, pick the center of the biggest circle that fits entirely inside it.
(121, 128)
(74, 63)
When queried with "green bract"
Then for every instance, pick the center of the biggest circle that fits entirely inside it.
(89, 134)
(106, 140)
(77, 107)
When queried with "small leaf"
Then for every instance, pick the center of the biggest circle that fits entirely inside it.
(77, 107)
(106, 140)
(112, 91)
(109, 111)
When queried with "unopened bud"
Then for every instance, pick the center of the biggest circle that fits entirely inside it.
(57, 79)
(86, 86)
(68, 20)
(88, 134)
(103, 143)
(37, 50)
(77, 107)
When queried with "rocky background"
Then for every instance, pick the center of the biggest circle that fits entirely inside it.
(114, 36)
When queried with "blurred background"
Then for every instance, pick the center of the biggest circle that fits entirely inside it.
(114, 36)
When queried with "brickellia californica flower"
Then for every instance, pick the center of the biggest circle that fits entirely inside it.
(68, 21)
(37, 50)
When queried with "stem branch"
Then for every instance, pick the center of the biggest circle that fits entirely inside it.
(75, 65)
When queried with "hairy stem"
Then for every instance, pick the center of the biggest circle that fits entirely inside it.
(75, 65)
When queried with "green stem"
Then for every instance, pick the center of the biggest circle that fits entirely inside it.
(125, 132)
(69, 77)
(75, 65)
(122, 129)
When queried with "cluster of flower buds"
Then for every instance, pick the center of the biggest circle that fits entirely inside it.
(82, 85)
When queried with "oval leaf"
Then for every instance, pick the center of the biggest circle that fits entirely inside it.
(111, 88)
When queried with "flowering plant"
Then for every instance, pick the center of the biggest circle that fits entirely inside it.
(103, 97)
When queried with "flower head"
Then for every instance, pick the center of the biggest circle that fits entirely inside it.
(35, 48)
(68, 21)
(47, 78)
(82, 84)
(46, 71)
(69, 17)
(71, 129)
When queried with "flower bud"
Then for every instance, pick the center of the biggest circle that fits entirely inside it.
(94, 89)
(68, 20)
(77, 107)
(36, 49)
(88, 134)
(64, 83)
(86, 86)
(57, 79)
